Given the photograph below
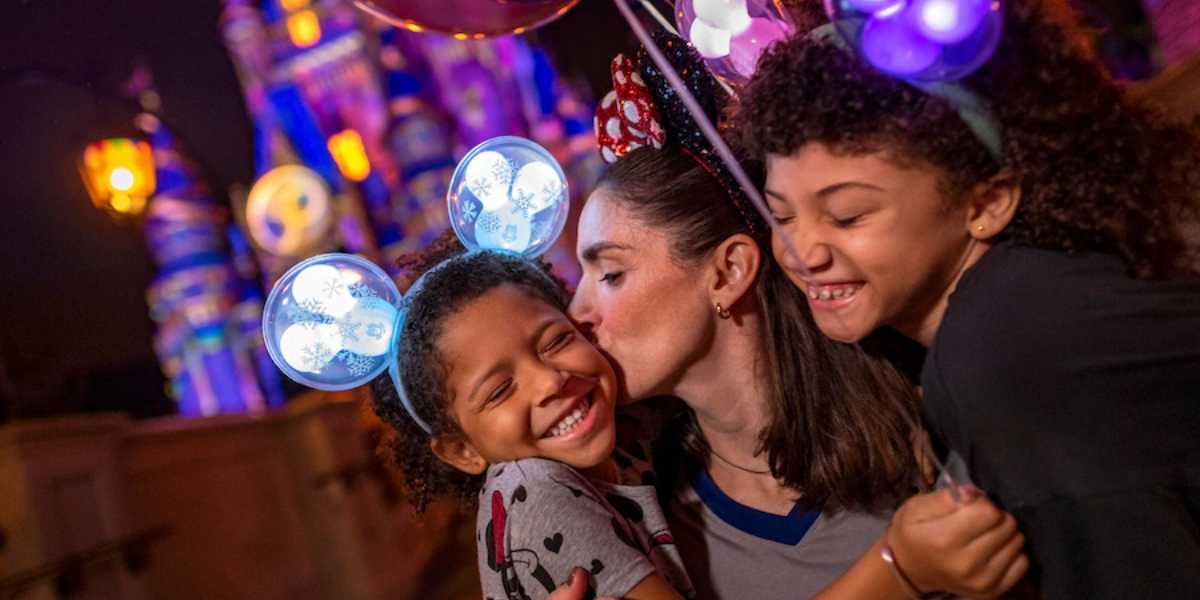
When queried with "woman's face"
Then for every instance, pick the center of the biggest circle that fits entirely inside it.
(647, 311)
(531, 387)
(881, 244)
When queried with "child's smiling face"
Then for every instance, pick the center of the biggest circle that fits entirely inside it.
(523, 383)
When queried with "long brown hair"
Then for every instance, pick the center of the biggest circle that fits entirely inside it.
(840, 420)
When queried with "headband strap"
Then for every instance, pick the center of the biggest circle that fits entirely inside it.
(411, 297)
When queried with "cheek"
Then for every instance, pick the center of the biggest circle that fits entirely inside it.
(494, 432)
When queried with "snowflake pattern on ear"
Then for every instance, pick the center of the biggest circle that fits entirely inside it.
(332, 322)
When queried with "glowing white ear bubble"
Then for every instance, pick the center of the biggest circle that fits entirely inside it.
(730, 15)
(709, 41)
(309, 348)
(488, 176)
(323, 290)
(367, 330)
(538, 184)
(503, 230)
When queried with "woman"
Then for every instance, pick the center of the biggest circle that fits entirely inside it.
(1049, 279)
(796, 448)
(781, 475)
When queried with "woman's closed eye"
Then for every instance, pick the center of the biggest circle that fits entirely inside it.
(612, 277)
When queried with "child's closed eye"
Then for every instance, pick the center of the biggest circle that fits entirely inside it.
(558, 342)
(498, 393)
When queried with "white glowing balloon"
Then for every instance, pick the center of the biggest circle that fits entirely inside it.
(535, 204)
(488, 176)
(322, 290)
(709, 41)
(537, 184)
(503, 229)
(309, 348)
(367, 330)
(730, 15)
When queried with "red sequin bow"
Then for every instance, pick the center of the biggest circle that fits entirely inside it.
(626, 118)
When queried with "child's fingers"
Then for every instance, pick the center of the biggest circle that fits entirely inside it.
(1014, 574)
(1000, 565)
(574, 588)
(990, 541)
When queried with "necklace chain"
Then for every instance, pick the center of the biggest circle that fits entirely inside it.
(737, 466)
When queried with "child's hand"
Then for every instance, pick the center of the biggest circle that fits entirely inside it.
(575, 588)
(971, 549)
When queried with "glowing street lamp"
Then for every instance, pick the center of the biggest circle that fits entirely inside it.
(119, 175)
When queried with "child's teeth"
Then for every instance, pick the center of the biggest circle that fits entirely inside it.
(568, 422)
(833, 293)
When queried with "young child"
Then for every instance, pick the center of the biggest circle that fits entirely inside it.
(520, 413)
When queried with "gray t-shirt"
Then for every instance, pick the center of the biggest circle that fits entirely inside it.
(733, 551)
(539, 519)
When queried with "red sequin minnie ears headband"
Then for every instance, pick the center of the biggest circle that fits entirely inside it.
(644, 110)
(626, 118)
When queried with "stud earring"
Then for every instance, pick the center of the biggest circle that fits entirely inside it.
(722, 311)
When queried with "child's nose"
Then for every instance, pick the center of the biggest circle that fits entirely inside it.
(552, 383)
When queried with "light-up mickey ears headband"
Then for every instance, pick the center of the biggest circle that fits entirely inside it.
(334, 321)
(921, 40)
(929, 44)
(974, 111)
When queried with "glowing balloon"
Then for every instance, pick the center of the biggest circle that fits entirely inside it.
(732, 34)
(893, 45)
(949, 21)
(921, 40)
(328, 321)
(467, 18)
(508, 193)
(332, 321)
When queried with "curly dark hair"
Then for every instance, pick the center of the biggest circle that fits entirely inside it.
(1097, 171)
(459, 278)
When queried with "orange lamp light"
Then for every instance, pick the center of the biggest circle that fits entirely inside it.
(119, 175)
(304, 28)
(350, 155)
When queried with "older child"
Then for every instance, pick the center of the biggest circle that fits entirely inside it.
(1049, 278)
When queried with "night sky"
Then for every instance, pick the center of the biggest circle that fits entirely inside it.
(75, 334)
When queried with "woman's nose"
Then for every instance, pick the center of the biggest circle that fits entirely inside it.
(580, 311)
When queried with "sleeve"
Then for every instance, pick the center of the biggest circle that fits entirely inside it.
(543, 520)
(1138, 544)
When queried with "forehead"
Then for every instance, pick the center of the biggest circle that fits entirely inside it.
(815, 166)
(490, 324)
(605, 219)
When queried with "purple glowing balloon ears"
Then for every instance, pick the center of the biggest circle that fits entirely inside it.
(921, 40)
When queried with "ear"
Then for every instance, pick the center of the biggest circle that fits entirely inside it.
(993, 204)
(735, 263)
(458, 452)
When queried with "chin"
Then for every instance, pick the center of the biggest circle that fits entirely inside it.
(595, 453)
(842, 331)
